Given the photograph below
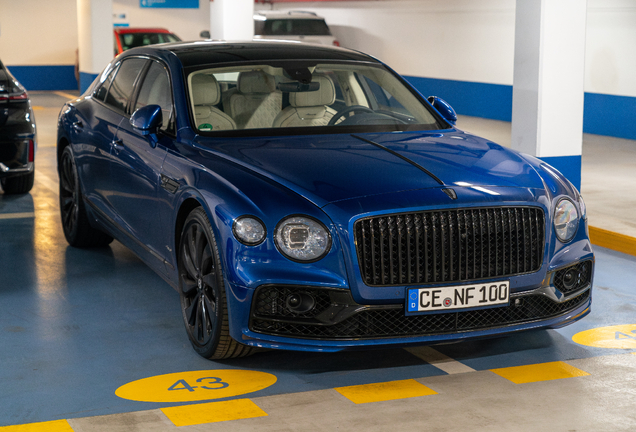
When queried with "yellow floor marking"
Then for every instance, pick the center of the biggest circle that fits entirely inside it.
(212, 412)
(50, 426)
(619, 336)
(65, 95)
(385, 391)
(612, 240)
(37, 108)
(194, 386)
(17, 215)
(539, 372)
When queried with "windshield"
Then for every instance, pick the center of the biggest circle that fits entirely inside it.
(292, 27)
(323, 98)
(132, 40)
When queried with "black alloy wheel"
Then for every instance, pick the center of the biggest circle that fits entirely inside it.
(75, 223)
(202, 291)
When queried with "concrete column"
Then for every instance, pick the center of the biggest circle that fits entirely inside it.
(548, 86)
(95, 34)
(232, 19)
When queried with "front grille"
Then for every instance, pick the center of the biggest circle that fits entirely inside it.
(449, 245)
(392, 322)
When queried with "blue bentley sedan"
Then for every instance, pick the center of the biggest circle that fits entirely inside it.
(307, 197)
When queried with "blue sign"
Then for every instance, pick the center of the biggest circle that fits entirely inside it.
(174, 4)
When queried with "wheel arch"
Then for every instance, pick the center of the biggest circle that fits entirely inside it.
(62, 143)
(185, 209)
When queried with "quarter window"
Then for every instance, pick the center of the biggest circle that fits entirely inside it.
(103, 89)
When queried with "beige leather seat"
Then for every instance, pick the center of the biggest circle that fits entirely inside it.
(206, 93)
(256, 102)
(309, 108)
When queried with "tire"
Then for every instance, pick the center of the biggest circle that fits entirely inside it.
(18, 184)
(75, 223)
(202, 291)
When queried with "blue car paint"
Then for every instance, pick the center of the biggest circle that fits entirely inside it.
(274, 177)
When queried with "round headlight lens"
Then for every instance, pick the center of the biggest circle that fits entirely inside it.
(249, 230)
(301, 238)
(566, 220)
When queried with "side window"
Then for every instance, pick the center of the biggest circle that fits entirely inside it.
(383, 98)
(122, 87)
(156, 90)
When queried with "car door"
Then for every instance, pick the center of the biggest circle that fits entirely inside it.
(93, 128)
(136, 166)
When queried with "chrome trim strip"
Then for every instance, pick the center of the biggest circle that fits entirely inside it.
(23, 169)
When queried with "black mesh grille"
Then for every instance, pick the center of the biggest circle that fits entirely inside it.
(392, 322)
(449, 245)
(573, 278)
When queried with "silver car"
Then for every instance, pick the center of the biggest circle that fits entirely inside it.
(293, 25)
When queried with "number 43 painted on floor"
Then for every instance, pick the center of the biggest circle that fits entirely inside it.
(212, 383)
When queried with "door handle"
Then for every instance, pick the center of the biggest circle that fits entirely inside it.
(117, 145)
(78, 126)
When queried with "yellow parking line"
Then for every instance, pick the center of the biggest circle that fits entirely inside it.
(539, 372)
(17, 215)
(65, 95)
(385, 391)
(50, 426)
(212, 412)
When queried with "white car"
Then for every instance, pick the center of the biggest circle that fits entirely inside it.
(293, 25)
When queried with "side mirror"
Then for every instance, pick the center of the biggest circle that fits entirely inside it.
(147, 120)
(444, 109)
(205, 34)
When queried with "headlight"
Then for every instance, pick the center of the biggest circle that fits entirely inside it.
(301, 238)
(566, 220)
(582, 207)
(249, 230)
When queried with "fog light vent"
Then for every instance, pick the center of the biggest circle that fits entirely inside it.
(573, 278)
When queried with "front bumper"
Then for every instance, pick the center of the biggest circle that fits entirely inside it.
(16, 153)
(333, 321)
(5, 171)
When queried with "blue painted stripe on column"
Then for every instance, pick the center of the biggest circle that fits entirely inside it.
(569, 166)
(492, 101)
(603, 114)
(176, 4)
(56, 77)
(609, 115)
(86, 79)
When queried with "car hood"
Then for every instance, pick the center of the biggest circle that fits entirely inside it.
(331, 168)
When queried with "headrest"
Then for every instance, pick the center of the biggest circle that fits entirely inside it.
(205, 90)
(326, 95)
(256, 82)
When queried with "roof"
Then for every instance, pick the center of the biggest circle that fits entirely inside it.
(294, 14)
(211, 52)
(124, 30)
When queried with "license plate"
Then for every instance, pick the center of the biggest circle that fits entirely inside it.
(457, 297)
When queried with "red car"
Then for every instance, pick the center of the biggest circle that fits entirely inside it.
(129, 37)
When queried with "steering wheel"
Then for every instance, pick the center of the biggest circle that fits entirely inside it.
(347, 110)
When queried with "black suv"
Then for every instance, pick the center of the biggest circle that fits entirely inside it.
(17, 136)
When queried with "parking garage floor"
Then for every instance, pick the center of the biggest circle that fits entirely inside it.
(93, 340)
